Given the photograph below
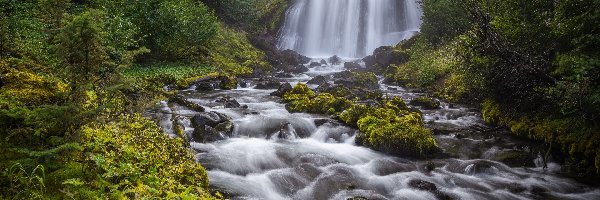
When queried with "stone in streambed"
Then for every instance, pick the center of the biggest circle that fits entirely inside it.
(181, 100)
(315, 64)
(211, 126)
(317, 80)
(425, 103)
(323, 62)
(351, 66)
(429, 187)
(283, 88)
(229, 102)
(335, 60)
(286, 131)
(266, 84)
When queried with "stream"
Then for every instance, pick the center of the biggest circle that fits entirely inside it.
(321, 160)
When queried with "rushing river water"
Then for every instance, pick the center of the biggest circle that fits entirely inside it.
(322, 161)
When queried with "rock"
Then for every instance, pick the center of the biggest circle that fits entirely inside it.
(317, 80)
(422, 185)
(211, 126)
(204, 86)
(208, 119)
(315, 64)
(296, 69)
(225, 127)
(243, 84)
(293, 58)
(206, 134)
(286, 131)
(283, 88)
(335, 60)
(429, 187)
(229, 102)
(351, 65)
(425, 103)
(323, 62)
(283, 75)
(227, 83)
(181, 100)
(353, 79)
(267, 84)
(383, 57)
(515, 158)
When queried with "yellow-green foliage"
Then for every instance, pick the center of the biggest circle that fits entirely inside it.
(303, 99)
(135, 159)
(403, 135)
(231, 53)
(24, 85)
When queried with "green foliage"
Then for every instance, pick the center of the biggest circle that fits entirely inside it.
(135, 159)
(232, 54)
(254, 16)
(161, 74)
(443, 20)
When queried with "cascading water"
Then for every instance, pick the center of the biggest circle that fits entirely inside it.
(347, 28)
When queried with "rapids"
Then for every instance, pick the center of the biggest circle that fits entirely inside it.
(322, 161)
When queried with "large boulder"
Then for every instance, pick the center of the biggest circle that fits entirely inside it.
(383, 57)
(353, 79)
(315, 64)
(293, 58)
(286, 131)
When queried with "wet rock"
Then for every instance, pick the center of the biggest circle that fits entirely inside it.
(353, 79)
(205, 86)
(227, 83)
(335, 60)
(283, 75)
(229, 102)
(181, 100)
(321, 122)
(514, 158)
(296, 69)
(429, 187)
(425, 103)
(323, 62)
(317, 80)
(422, 185)
(208, 119)
(283, 88)
(351, 66)
(383, 57)
(315, 64)
(266, 84)
(243, 84)
(293, 58)
(286, 131)
(211, 126)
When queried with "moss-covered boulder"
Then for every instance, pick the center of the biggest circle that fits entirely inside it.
(425, 103)
(303, 99)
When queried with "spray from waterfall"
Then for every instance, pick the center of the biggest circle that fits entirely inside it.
(347, 28)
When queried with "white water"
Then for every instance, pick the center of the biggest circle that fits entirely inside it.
(347, 28)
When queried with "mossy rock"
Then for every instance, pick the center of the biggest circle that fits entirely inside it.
(425, 103)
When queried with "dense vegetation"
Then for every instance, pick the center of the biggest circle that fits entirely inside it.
(75, 76)
(534, 66)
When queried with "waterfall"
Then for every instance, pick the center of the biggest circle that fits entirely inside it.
(347, 28)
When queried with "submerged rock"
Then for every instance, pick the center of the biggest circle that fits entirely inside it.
(315, 64)
(323, 62)
(286, 131)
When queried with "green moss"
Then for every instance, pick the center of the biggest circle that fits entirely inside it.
(303, 99)
(403, 135)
